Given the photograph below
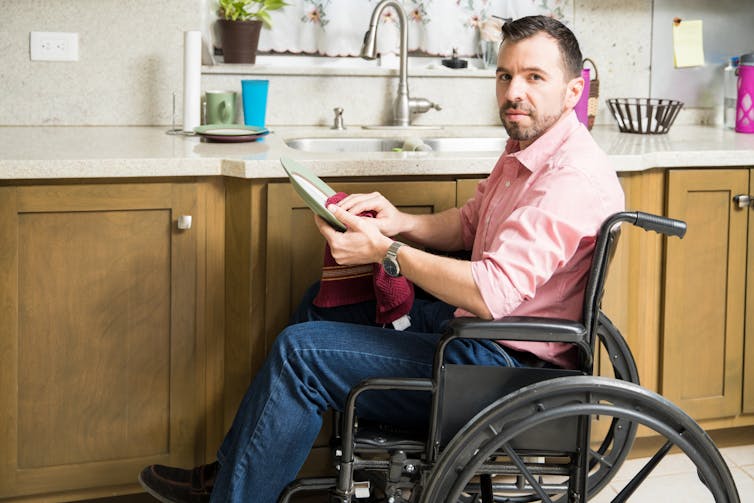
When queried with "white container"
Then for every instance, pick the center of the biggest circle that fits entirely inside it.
(730, 93)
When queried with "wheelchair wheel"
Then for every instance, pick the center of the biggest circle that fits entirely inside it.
(618, 439)
(486, 445)
(612, 451)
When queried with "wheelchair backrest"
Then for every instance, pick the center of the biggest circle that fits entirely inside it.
(604, 250)
(459, 405)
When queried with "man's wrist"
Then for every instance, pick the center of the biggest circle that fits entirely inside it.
(382, 248)
(390, 261)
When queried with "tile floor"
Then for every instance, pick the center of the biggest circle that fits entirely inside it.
(675, 478)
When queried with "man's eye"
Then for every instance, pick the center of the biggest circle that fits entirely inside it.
(504, 76)
(535, 76)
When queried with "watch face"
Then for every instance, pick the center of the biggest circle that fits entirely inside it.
(391, 267)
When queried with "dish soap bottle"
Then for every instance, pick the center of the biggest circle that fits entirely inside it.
(730, 93)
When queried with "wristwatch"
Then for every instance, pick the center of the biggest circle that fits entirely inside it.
(390, 262)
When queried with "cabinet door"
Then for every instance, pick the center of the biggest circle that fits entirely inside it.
(295, 248)
(97, 333)
(466, 189)
(748, 405)
(705, 293)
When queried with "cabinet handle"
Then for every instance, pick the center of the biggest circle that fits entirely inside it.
(743, 200)
(184, 222)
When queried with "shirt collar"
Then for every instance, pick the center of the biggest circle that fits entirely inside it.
(540, 150)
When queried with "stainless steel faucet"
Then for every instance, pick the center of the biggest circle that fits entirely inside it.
(404, 105)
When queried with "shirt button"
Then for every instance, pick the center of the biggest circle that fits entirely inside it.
(507, 183)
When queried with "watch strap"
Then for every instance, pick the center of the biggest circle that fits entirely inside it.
(392, 251)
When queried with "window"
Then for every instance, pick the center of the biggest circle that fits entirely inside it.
(436, 27)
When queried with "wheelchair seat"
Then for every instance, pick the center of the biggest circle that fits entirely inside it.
(527, 434)
(380, 437)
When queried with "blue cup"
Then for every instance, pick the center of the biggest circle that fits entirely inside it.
(254, 101)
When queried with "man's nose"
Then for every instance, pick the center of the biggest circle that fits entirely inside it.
(516, 89)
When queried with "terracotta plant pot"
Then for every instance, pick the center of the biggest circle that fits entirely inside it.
(240, 40)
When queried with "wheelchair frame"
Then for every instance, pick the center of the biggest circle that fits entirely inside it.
(492, 442)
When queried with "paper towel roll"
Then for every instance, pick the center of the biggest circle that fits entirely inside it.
(192, 76)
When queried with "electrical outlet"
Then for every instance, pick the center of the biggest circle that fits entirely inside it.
(54, 46)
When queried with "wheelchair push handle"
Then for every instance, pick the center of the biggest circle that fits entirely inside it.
(663, 225)
(647, 221)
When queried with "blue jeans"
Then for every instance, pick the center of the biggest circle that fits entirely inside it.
(311, 367)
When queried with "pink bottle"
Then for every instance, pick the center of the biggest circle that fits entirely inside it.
(745, 101)
(582, 107)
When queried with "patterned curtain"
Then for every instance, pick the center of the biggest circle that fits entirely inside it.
(436, 27)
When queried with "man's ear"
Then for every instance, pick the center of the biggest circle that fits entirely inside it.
(574, 88)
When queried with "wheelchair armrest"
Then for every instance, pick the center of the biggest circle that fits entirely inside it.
(519, 328)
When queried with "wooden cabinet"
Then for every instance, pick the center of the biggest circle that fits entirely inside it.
(103, 368)
(465, 190)
(633, 291)
(127, 341)
(748, 391)
(706, 291)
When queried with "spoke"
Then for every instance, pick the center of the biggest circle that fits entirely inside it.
(526, 473)
(634, 483)
(599, 457)
(486, 488)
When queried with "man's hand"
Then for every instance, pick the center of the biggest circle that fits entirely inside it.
(388, 219)
(361, 243)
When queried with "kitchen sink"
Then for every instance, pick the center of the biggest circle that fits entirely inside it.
(361, 144)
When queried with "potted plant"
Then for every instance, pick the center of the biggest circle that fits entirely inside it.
(240, 24)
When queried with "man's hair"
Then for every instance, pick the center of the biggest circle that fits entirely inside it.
(529, 26)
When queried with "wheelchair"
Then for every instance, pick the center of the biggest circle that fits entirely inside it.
(522, 434)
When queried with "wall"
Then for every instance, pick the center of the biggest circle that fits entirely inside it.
(131, 64)
(727, 32)
(130, 61)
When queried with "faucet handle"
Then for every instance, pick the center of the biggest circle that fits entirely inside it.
(421, 105)
(338, 119)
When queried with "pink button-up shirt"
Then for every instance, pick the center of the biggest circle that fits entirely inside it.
(532, 225)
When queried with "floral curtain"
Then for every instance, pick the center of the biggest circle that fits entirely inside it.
(336, 27)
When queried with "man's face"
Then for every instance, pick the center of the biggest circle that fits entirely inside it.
(532, 90)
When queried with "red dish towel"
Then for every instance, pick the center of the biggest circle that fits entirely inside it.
(349, 284)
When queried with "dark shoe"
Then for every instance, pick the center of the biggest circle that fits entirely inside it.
(176, 485)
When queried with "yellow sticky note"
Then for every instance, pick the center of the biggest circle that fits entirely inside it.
(688, 48)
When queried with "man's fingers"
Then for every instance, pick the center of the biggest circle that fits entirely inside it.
(348, 219)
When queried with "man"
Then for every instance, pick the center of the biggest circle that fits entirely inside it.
(531, 228)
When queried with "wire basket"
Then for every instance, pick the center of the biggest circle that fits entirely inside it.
(644, 115)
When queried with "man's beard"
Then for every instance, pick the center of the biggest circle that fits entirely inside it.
(539, 124)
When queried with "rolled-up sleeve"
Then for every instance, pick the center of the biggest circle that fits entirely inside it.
(530, 248)
(537, 240)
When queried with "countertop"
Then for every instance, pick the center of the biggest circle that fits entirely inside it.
(116, 152)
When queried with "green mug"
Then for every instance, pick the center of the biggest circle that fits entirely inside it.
(220, 107)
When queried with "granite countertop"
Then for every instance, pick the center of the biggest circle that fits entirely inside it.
(116, 152)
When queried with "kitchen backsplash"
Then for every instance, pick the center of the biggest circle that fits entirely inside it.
(130, 68)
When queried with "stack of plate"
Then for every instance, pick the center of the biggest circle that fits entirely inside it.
(230, 133)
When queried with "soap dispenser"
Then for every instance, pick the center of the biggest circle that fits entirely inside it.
(730, 93)
(454, 62)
